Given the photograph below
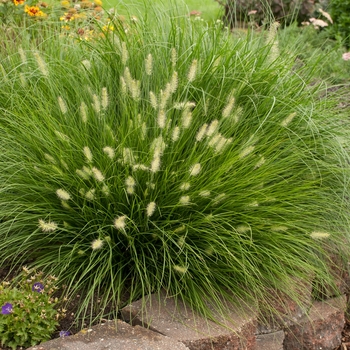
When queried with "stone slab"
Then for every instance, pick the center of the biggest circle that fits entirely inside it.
(287, 311)
(321, 329)
(113, 335)
(270, 341)
(170, 317)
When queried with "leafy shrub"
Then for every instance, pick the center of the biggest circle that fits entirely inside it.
(262, 10)
(28, 315)
(340, 11)
(174, 156)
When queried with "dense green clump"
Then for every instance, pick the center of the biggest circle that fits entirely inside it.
(29, 313)
(171, 155)
(261, 11)
(340, 11)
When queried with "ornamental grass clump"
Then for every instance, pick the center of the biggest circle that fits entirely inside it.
(172, 157)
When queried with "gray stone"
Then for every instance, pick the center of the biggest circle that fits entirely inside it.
(321, 329)
(173, 318)
(286, 310)
(113, 335)
(270, 341)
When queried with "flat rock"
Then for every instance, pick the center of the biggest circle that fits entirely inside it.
(113, 335)
(321, 329)
(173, 318)
(270, 341)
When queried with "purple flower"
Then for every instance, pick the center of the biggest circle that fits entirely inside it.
(6, 309)
(38, 287)
(64, 334)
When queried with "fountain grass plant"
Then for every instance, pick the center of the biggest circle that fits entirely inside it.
(169, 156)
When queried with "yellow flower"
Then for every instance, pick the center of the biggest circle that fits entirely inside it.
(19, 2)
(98, 2)
(34, 11)
(65, 4)
(108, 28)
(67, 17)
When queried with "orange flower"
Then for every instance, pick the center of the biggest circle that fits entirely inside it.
(34, 11)
(18, 2)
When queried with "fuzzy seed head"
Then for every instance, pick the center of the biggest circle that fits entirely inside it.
(88, 154)
(62, 105)
(185, 200)
(41, 64)
(175, 134)
(65, 205)
(127, 77)
(86, 64)
(181, 241)
(23, 55)
(97, 174)
(180, 229)
(63, 195)
(97, 244)
(47, 226)
(119, 222)
(158, 146)
(279, 228)
(149, 64)
(174, 82)
(123, 86)
(219, 198)
(153, 100)
(87, 170)
(83, 112)
(130, 181)
(130, 190)
(109, 151)
(180, 269)
(243, 228)
(151, 207)
(173, 57)
(128, 156)
(195, 169)
(185, 186)
(62, 136)
(164, 96)
(191, 76)
(214, 140)
(260, 163)
(201, 132)
(23, 79)
(248, 150)
(140, 167)
(220, 144)
(124, 53)
(184, 105)
(105, 190)
(82, 174)
(90, 195)
(104, 98)
(288, 120)
(155, 165)
(161, 120)
(228, 109)
(96, 103)
(143, 130)
(186, 118)
(50, 158)
(135, 89)
(204, 193)
(319, 235)
(212, 128)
